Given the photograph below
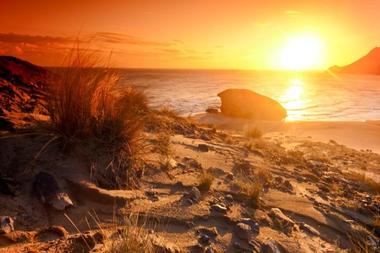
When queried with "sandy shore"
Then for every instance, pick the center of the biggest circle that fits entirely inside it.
(354, 134)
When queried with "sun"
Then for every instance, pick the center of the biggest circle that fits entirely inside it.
(302, 52)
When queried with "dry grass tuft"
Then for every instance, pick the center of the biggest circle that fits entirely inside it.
(131, 238)
(86, 104)
(85, 101)
(205, 181)
(252, 190)
(253, 132)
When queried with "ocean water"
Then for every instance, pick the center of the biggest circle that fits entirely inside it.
(313, 96)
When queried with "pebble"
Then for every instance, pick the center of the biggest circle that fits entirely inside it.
(243, 231)
(203, 147)
(6, 225)
(219, 208)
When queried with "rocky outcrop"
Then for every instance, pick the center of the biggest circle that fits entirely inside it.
(22, 89)
(248, 104)
(366, 65)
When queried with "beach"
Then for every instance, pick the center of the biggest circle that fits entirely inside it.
(360, 135)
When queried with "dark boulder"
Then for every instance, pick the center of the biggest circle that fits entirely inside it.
(248, 104)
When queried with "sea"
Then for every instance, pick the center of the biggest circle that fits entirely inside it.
(307, 96)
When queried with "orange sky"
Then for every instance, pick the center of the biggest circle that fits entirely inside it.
(231, 34)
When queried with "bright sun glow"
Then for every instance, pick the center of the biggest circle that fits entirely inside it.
(302, 53)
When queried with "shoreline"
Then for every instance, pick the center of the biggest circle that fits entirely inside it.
(360, 135)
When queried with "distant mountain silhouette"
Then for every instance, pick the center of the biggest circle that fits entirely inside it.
(367, 65)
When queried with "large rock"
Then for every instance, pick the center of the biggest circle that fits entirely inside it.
(248, 104)
(22, 90)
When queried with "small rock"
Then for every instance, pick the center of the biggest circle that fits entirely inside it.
(243, 231)
(288, 186)
(205, 137)
(281, 220)
(270, 247)
(230, 176)
(204, 239)
(209, 250)
(6, 225)
(217, 208)
(309, 229)
(203, 147)
(192, 196)
(229, 198)
(152, 195)
(211, 232)
(212, 110)
(255, 228)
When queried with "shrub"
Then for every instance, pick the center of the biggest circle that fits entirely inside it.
(86, 103)
(205, 181)
(252, 190)
(254, 133)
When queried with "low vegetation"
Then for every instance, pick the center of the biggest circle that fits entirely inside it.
(253, 132)
(252, 190)
(130, 238)
(85, 103)
(205, 181)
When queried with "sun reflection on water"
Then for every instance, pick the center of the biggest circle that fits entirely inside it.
(293, 99)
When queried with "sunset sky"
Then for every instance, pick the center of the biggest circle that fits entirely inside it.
(211, 34)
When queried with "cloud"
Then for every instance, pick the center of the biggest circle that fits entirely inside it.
(32, 39)
(121, 38)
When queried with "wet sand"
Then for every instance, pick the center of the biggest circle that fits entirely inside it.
(354, 134)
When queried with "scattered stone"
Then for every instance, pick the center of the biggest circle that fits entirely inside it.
(205, 137)
(212, 110)
(50, 193)
(218, 208)
(255, 228)
(230, 176)
(192, 196)
(270, 247)
(281, 220)
(152, 195)
(192, 162)
(211, 232)
(229, 198)
(288, 186)
(243, 231)
(203, 147)
(172, 163)
(309, 229)
(6, 225)
(241, 248)
(217, 171)
(204, 239)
